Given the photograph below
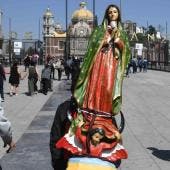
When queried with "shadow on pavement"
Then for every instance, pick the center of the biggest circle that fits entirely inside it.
(161, 154)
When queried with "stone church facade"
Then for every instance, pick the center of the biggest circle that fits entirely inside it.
(80, 30)
(61, 44)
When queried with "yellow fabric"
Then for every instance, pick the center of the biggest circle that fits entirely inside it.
(83, 166)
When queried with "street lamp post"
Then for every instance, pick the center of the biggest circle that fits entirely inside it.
(1, 36)
(10, 51)
(159, 52)
(94, 14)
(66, 13)
(120, 6)
(66, 42)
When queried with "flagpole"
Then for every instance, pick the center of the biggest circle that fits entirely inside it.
(120, 6)
(66, 43)
(66, 12)
(94, 14)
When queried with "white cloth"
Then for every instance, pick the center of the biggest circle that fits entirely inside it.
(57, 65)
(5, 127)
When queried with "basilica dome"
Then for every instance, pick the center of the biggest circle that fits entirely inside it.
(82, 13)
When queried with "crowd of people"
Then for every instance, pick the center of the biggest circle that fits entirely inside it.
(70, 67)
(46, 76)
(137, 64)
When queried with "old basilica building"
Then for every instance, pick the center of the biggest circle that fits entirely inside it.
(59, 43)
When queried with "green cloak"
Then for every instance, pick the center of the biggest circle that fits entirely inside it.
(94, 45)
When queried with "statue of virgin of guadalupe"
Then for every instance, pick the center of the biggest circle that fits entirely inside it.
(98, 93)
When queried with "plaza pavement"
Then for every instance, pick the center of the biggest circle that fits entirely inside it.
(22, 109)
(146, 105)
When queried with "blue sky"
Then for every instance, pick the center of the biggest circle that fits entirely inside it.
(25, 14)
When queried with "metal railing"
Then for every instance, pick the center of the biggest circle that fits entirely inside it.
(161, 66)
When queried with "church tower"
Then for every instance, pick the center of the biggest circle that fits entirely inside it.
(53, 37)
(48, 23)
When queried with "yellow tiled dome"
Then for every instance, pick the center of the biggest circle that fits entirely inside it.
(82, 13)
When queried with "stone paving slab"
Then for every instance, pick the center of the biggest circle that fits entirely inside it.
(22, 109)
(29, 154)
(146, 105)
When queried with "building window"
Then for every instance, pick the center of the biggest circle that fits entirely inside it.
(56, 50)
(47, 21)
(61, 45)
(73, 44)
(48, 42)
(52, 50)
(48, 50)
(55, 42)
(47, 30)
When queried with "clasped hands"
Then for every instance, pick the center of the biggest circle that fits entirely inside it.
(110, 37)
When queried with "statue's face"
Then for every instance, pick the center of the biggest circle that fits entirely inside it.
(96, 138)
(113, 14)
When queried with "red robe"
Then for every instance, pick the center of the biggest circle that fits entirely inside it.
(76, 145)
(101, 82)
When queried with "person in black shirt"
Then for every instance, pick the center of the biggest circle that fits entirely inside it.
(2, 78)
(59, 127)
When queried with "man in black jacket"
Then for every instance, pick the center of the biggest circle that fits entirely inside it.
(59, 127)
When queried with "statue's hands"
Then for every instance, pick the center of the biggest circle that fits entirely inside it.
(107, 39)
(81, 122)
(118, 136)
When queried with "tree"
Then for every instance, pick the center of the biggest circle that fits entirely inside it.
(141, 38)
(151, 30)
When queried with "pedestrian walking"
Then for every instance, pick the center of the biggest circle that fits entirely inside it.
(140, 63)
(59, 65)
(27, 61)
(14, 79)
(2, 78)
(134, 64)
(145, 65)
(67, 67)
(75, 70)
(45, 79)
(128, 69)
(51, 63)
(33, 78)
